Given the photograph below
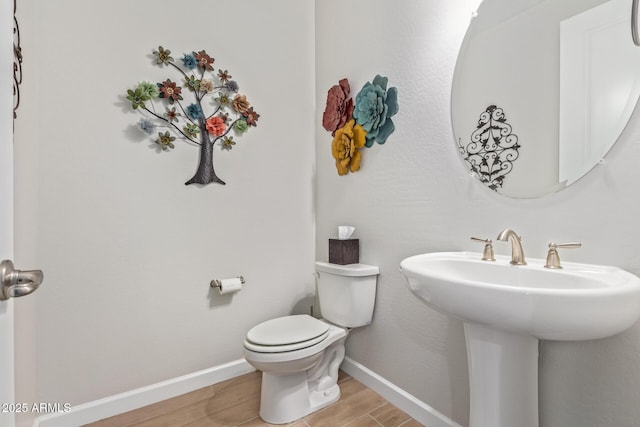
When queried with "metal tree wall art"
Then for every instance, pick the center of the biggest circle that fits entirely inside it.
(213, 110)
(493, 148)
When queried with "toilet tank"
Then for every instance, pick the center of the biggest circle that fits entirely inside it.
(347, 293)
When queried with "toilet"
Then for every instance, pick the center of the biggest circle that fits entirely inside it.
(299, 355)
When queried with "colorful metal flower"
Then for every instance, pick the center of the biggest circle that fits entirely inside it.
(171, 114)
(375, 105)
(146, 126)
(240, 126)
(163, 56)
(170, 91)
(192, 83)
(251, 117)
(189, 61)
(224, 75)
(136, 97)
(165, 140)
(240, 104)
(194, 111)
(346, 145)
(232, 86)
(204, 61)
(223, 100)
(339, 107)
(191, 130)
(207, 85)
(227, 143)
(216, 126)
(148, 90)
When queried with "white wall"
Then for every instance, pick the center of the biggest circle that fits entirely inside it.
(128, 250)
(412, 195)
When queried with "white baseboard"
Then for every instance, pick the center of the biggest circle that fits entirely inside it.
(417, 409)
(134, 399)
(130, 400)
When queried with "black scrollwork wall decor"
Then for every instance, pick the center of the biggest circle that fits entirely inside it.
(17, 62)
(493, 148)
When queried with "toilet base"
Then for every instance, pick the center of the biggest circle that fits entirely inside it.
(286, 398)
(298, 383)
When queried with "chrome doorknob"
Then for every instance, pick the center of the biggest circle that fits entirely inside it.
(16, 283)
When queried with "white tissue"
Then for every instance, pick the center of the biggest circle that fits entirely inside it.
(345, 232)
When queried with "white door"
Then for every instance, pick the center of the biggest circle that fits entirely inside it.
(6, 207)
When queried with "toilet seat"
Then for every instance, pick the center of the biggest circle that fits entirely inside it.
(285, 334)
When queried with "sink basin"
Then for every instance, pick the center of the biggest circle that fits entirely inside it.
(507, 308)
(577, 302)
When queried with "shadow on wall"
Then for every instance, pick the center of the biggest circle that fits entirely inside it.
(216, 299)
(305, 305)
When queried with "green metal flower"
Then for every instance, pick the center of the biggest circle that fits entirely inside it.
(163, 56)
(227, 143)
(191, 130)
(192, 83)
(148, 90)
(136, 97)
(241, 126)
(165, 140)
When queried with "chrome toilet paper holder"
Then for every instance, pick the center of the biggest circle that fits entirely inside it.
(217, 283)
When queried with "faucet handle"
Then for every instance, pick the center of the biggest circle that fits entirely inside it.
(553, 259)
(487, 253)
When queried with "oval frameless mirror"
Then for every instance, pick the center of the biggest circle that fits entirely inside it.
(542, 90)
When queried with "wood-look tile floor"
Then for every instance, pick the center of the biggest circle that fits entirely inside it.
(236, 403)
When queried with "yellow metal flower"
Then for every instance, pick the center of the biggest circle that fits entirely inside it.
(345, 147)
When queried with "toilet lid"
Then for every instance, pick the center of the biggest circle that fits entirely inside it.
(287, 333)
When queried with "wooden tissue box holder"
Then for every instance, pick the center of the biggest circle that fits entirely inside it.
(344, 251)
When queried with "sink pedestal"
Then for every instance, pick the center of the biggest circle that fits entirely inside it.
(503, 377)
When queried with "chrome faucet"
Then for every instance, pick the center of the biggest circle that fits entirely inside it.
(517, 254)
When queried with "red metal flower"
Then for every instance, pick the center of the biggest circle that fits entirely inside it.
(251, 117)
(339, 107)
(169, 90)
(204, 60)
(216, 126)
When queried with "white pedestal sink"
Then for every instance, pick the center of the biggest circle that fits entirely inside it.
(506, 309)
